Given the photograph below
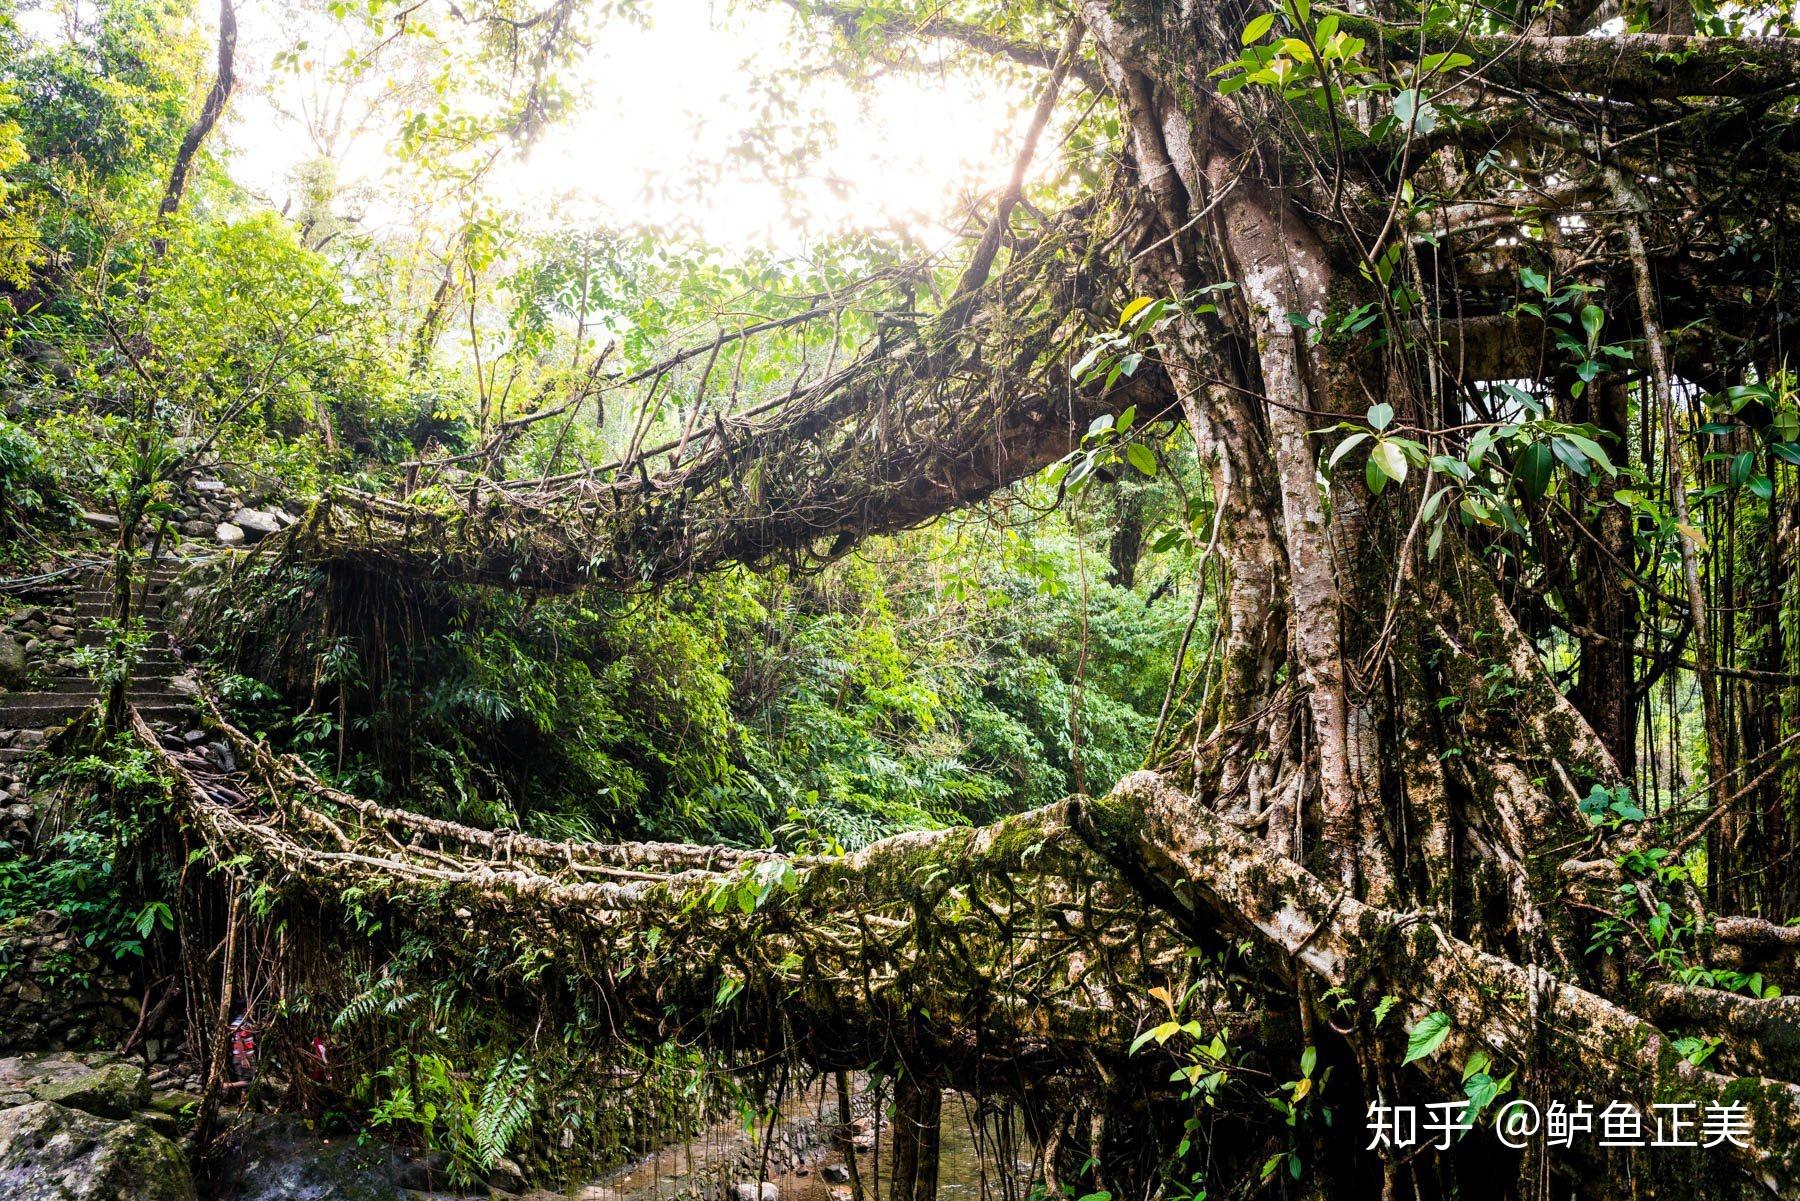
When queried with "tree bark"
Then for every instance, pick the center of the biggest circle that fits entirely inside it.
(211, 109)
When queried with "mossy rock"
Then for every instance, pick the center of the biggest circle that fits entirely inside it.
(171, 1112)
(98, 1084)
(50, 1152)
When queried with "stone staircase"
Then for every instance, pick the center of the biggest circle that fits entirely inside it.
(157, 688)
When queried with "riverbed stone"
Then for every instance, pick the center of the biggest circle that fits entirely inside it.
(228, 534)
(277, 1158)
(49, 1152)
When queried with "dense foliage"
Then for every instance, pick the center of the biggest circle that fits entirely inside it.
(1466, 586)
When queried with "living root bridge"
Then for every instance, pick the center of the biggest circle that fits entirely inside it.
(1010, 956)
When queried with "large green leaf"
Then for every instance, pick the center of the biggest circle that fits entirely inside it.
(1427, 1036)
(1532, 469)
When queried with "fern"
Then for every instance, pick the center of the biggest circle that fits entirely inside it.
(504, 1109)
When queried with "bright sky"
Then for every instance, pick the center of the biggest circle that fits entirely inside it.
(664, 105)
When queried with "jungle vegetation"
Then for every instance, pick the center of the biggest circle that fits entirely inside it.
(1376, 421)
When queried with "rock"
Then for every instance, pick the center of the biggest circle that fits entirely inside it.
(196, 529)
(276, 1158)
(209, 485)
(835, 1173)
(12, 663)
(165, 1124)
(255, 523)
(104, 521)
(96, 1084)
(751, 1190)
(175, 1102)
(228, 534)
(52, 1153)
(506, 1176)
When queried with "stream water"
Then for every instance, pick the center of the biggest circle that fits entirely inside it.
(981, 1157)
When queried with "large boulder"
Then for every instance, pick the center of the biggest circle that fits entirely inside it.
(49, 1152)
(228, 534)
(255, 523)
(97, 1084)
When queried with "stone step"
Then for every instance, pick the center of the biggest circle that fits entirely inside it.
(89, 610)
(96, 596)
(89, 636)
(146, 690)
(47, 709)
(16, 754)
(81, 685)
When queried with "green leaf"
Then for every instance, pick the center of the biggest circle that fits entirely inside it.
(1141, 457)
(1427, 1036)
(1130, 310)
(1343, 448)
(1594, 452)
(1380, 416)
(1258, 26)
(1448, 60)
(1087, 360)
(1481, 1089)
(1742, 467)
(1373, 476)
(1592, 318)
(1786, 424)
(1390, 459)
(1532, 469)
(1414, 112)
(1480, 444)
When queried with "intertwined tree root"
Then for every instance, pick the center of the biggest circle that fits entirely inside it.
(987, 956)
